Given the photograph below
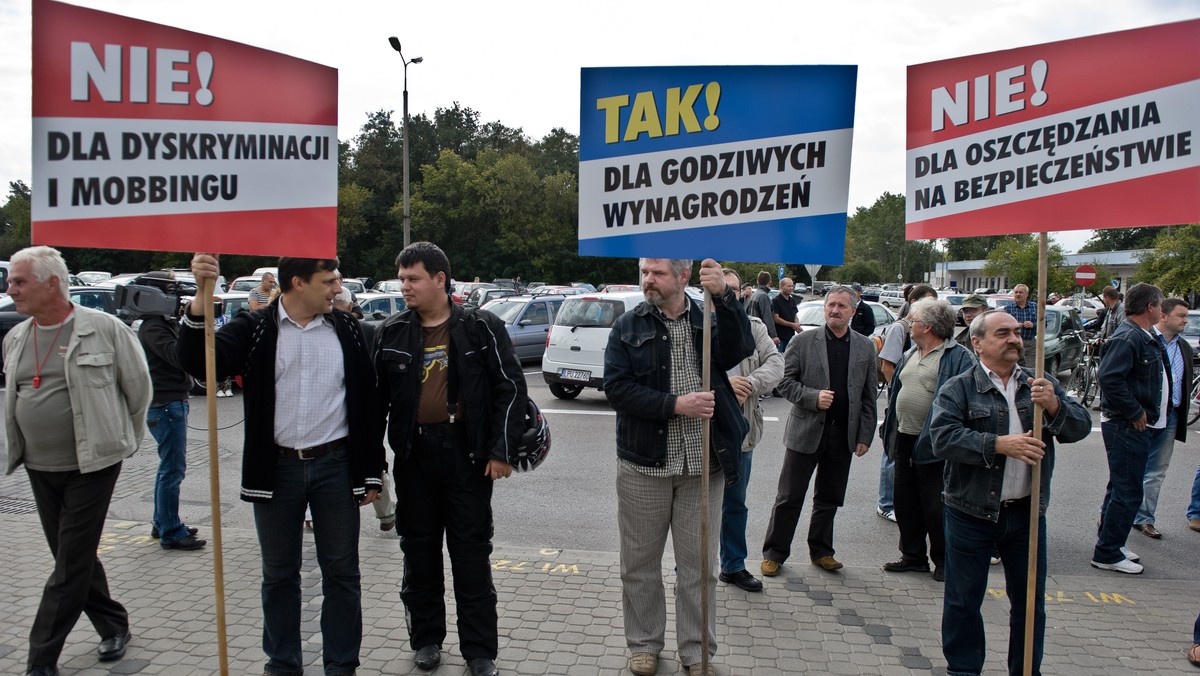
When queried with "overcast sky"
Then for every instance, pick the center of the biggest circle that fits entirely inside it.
(518, 62)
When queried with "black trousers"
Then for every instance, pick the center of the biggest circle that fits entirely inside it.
(441, 493)
(72, 507)
(831, 462)
(918, 504)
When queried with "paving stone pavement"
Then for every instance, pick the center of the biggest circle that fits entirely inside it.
(560, 613)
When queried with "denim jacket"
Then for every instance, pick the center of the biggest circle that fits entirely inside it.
(969, 413)
(955, 360)
(637, 381)
(1131, 374)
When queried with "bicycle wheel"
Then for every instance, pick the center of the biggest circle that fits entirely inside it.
(1091, 386)
(1078, 381)
(1195, 395)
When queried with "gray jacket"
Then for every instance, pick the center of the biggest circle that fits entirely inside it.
(109, 385)
(806, 373)
(764, 369)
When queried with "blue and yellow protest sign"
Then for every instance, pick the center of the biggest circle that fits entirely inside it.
(734, 162)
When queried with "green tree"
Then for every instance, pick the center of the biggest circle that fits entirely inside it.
(972, 248)
(1016, 259)
(1121, 239)
(864, 272)
(877, 234)
(1174, 263)
(15, 219)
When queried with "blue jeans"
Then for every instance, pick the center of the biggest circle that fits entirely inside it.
(733, 518)
(1157, 462)
(323, 484)
(1194, 508)
(969, 543)
(1127, 450)
(887, 478)
(168, 425)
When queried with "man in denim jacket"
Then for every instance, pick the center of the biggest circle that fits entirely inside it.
(652, 368)
(982, 422)
(1134, 391)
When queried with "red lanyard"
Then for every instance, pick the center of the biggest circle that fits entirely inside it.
(38, 366)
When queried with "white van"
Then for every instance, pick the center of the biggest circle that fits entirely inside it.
(893, 298)
(574, 357)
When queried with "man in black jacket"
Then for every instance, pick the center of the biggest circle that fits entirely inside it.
(453, 395)
(167, 417)
(311, 441)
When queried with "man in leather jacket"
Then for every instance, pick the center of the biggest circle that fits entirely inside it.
(453, 395)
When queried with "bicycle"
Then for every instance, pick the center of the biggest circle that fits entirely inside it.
(1084, 380)
(1195, 395)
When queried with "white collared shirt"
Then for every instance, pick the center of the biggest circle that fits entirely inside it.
(1018, 480)
(310, 383)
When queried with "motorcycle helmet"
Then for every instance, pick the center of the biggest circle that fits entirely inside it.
(534, 444)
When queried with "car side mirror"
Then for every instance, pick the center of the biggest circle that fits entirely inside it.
(525, 322)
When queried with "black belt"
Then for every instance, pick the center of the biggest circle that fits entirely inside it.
(435, 430)
(1016, 502)
(312, 452)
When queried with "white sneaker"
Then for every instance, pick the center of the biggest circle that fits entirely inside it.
(1124, 566)
(1128, 553)
(888, 514)
(995, 560)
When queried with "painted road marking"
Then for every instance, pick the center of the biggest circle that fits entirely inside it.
(1062, 597)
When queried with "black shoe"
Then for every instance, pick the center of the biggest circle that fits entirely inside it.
(939, 574)
(154, 531)
(38, 670)
(903, 566)
(187, 544)
(742, 579)
(429, 657)
(482, 666)
(113, 648)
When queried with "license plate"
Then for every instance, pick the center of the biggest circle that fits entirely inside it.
(572, 374)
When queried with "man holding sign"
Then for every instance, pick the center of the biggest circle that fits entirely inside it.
(309, 442)
(652, 377)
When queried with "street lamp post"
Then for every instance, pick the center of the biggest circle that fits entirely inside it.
(395, 42)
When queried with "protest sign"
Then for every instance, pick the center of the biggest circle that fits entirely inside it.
(1096, 132)
(152, 137)
(737, 162)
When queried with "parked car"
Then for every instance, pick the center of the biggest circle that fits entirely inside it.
(481, 296)
(1191, 333)
(621, 288)
(247, 283)
(811, 314)
(528, 320)
(799, 287)
(584, 285)
(90, 277)
(233, 302)
(1064, 342)
(459, 291)
(96, 298)
(892, 298)
(574, 357)
(354, 284)
(387, 286)
(510, 284)
(380, 305)
(560, 291)
(1088, 307)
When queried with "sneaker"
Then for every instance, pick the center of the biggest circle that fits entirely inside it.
(889, 514)
(769, 568)
(995, 560)
(643, 664)
(1129, 554)
(1123, 566)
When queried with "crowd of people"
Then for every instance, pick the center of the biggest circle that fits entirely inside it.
(441, 386)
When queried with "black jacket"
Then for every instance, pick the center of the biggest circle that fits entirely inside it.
(637, 381)
(246, 346)
(490, 381)
(158, 336)
(864, 319)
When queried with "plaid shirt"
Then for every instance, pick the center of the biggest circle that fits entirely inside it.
(1026, 314)
(683, 433)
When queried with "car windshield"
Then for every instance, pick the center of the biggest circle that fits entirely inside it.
(812, 315)
(589, 312)
(245, 284)
(506, 310)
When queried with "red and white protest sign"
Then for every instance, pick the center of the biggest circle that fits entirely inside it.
(1085, 275)
(152, 137)
(1096, 132)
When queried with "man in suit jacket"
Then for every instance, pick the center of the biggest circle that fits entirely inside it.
(829, 376)
(1179, 356)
